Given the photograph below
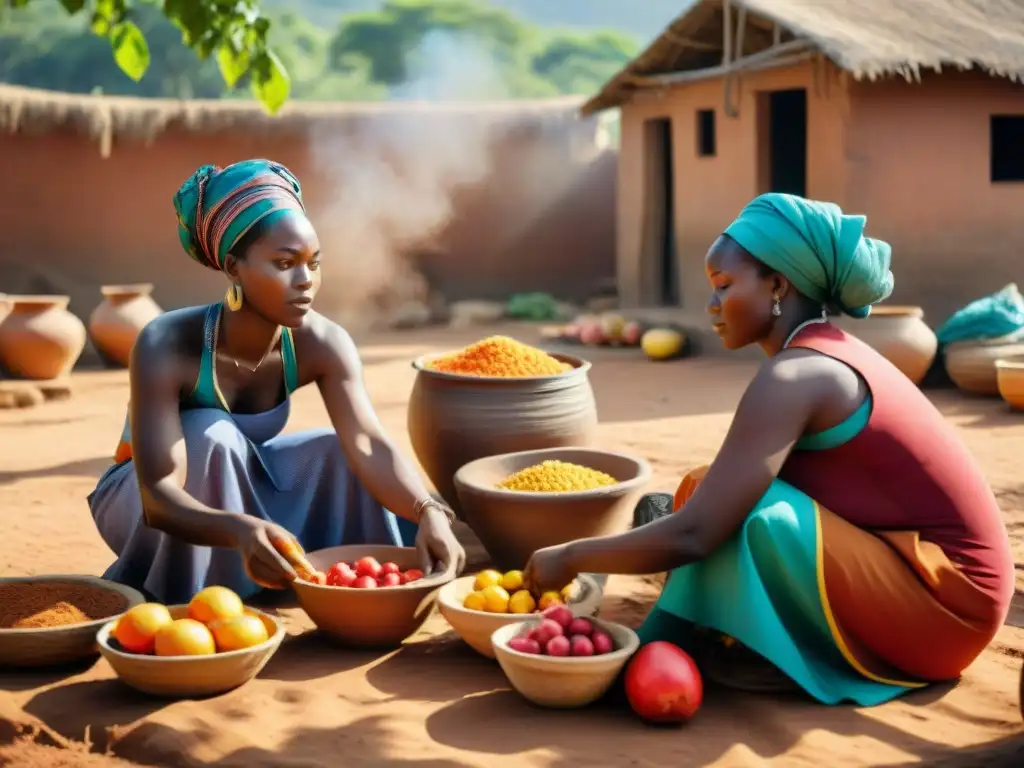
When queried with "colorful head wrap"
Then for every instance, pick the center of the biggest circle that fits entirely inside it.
(216, 206)
(821, 250)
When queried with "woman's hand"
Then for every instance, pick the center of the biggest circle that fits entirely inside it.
(436, 543)
(264, 564)
(550, 570)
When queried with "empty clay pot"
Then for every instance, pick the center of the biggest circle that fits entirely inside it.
(455, 419)
(117, 321)
(40, 338)
(899, 334)
(972, 364)
(512, 525)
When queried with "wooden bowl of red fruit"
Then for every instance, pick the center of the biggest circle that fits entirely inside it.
(561, 660)
(375, 596)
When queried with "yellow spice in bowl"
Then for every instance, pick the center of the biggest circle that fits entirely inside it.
(554, 476)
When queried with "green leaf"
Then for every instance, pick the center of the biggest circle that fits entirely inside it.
(73, 6)
(130, 49)
(233, 63)
(270, 82)
(105, 14)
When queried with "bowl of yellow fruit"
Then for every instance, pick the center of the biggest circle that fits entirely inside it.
(475, 606)
(209, 646)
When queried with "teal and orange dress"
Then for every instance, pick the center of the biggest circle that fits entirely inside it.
(877, 562)
(242, 463)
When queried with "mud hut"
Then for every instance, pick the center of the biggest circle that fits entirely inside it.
(909, 111)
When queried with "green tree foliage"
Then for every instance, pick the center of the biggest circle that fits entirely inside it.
(364, 55)
(232, 32)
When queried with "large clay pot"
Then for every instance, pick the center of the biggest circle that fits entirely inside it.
(40, 339)
(972, 364)
(454, 419)
(899, 334)
(117, 321)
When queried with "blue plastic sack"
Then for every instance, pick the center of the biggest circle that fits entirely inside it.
(999, 314)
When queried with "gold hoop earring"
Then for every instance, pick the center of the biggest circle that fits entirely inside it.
(233, 298)
(776, 306)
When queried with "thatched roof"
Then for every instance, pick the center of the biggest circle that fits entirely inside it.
(868, 38)
(110, 118)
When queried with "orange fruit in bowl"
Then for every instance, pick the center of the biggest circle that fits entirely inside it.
(548, 599)
(495, 599)
(215, 604)
(185, 637)
(136, 630)
(485, 579)
(522, 602)
(243, 631)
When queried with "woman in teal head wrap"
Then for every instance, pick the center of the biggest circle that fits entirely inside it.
(203, 482)
(843, 534)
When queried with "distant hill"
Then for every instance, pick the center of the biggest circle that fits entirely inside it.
(643, 19)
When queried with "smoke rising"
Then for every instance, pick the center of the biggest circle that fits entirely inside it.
(393, 174)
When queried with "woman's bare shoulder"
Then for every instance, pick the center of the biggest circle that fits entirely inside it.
(173, 341)
(323, 343)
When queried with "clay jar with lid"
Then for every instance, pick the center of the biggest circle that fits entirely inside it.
(117, 321)
(40, 339)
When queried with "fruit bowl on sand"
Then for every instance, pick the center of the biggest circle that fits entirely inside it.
(363, 615)
(212, 645)
(475, 625)
(563, 661)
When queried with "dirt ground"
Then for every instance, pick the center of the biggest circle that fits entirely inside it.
(433, 702)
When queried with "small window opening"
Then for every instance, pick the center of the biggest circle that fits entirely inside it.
(1006, 148)
(706, 133)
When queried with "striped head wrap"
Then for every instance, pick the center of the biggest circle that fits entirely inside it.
(217, 206)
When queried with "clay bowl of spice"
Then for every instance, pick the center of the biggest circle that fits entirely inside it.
(48, 620)
(517, 503)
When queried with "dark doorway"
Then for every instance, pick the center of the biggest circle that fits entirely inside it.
(786, 126)
(661, 212)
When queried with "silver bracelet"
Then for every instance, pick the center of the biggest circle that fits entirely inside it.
(421, 506)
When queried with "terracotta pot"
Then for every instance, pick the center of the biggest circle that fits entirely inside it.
(972, 364)
(1010, 380)
(899, 334)
(40, 339)
(512, 525)
(454, 419)
(117, 321)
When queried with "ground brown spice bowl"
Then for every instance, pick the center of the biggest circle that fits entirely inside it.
(512, 525)
(369, 618)
(66, 596)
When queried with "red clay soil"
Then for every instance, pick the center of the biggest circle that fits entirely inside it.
(434, 703)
